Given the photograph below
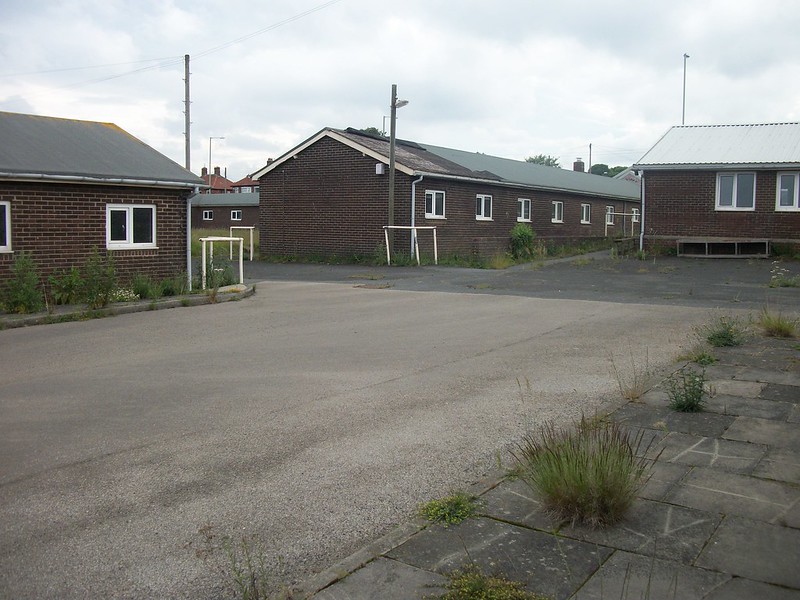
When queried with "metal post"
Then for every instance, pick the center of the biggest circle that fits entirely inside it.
(392, 129)
(188, 123)
(683, 111)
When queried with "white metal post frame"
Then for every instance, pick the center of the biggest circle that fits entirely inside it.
(623, 215)
(413, 228)
(249, 227)
(211, 241)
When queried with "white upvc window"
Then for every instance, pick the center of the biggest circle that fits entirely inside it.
(208, 215)
(788, 194)
(483, 207)
(434, 204)
(245, 189)
(586, 213)
(609, 215)
(5, 226)
(634, 215)
(557, 215)
(524, 210)
(130, 226)
(236, 215)
(736, 191)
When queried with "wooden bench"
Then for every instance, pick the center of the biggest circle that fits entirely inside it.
(723, 248)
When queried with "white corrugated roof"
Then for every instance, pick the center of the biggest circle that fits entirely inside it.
(692, 146)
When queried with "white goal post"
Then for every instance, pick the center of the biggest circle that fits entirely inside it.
(250, 228)
(414, 230)
(210, 240)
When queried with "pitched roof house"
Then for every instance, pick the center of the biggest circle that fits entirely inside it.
(329, 195)
(216, 182)
(722, 190)
(69, 186)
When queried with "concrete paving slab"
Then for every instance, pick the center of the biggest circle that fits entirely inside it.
(663, 477)
(764, 431)
(740, 588)
(664, 419)
(784, 393)
(770, 376)
(548, 565)
(386, 579)
(749, 407)
(654, 529)
(733, 387)
(733, 494)
(781, 464)
(721, 370)
(728, 455)
(755, 550)
(794, 414)
(515, 502)
(657, 397)
(628, 576)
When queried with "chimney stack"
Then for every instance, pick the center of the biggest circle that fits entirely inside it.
(216, 171)
(578, 165)
(204, 172)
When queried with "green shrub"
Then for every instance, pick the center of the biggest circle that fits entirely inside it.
(686, 390)
(522, 240)
(23, 292)
(724, 331)
(177, 285)
(100, 280)
(66, 287)
(588, 474)
(449, 510)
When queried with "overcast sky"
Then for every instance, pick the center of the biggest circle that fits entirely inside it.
(511, 78)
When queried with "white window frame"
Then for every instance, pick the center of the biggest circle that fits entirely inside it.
(208, 215)
(557, 211)
(236, 215)
(734, 199)
(610, 215)
(795, 206)
(128, 243)
(245, 189)
(522, 203)
(634, 215)
(586, 213)
(5, 206)
(432, 214)
(482, 201)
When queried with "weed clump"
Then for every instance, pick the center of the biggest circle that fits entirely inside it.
(450, 510)
(686, 390)
(723, 332)
(776, 325)
(22, 293)
(522, 241)
(589, 474)
(472, 584)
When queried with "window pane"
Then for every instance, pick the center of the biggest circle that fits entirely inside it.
(787, 192)
(440, 204)
(520, 209)
(554, 214)
(143, 225)
(119, 223)
(3, 222)
(428, 203)
(487, 206)
(478, 206)
(745, 189)
(726, 190)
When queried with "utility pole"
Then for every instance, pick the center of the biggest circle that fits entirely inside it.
(392, 130)
(683, 111)
(186, 102)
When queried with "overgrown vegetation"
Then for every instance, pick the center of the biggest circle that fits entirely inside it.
(66, 286)
(224, 246)
(472, 584)
(686, 390)
(22, 293)
(776, 325)
(587, 474)
(699, 355)
(100, 280)
(449, 510)
(724, 331)
(522, 241)
(635, 378)
(780, 276)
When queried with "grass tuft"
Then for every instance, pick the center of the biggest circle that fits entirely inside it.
(724, 332)
(589, 474)
(450, 510)
(472, 584)
(634, 382)
(776, 325)
(698, 355)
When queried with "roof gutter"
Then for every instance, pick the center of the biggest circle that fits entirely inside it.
(512, 184)
(716, 166)
(99, 180)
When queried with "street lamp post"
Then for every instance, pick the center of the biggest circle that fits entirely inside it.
(683, 111)
(392, 129)
(213, 137)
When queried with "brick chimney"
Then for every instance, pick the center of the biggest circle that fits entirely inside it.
(216, 171)
(204, 172)
(578, 165)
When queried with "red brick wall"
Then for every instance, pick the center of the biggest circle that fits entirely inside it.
(682, 204)
(59, 224)
(328, 200)
(222, 217)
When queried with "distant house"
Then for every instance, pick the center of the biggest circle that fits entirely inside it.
(722, 190)
(220, 211)
(216, 183)
(246, 185)
(329, 195)
(67, 187)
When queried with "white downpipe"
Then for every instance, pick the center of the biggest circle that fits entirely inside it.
(414, 213)
(641, 224)
(189, 236)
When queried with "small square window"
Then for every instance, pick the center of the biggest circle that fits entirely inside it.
(586, 213)
(130, 226)
(5, 226)
(736, 191)
(236, 215)
(434, 204)
(208, 215)
(557, 215)
(483, 207)
(788, 190)
(524, 209)
(634, 215)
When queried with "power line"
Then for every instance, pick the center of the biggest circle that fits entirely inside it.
(85, 68)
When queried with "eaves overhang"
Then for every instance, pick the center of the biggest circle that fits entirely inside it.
(718, 167)
(97, 180)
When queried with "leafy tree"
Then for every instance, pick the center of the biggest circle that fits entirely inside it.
(599, 169)
(614, 171)
(543, 159)
(373, 131)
